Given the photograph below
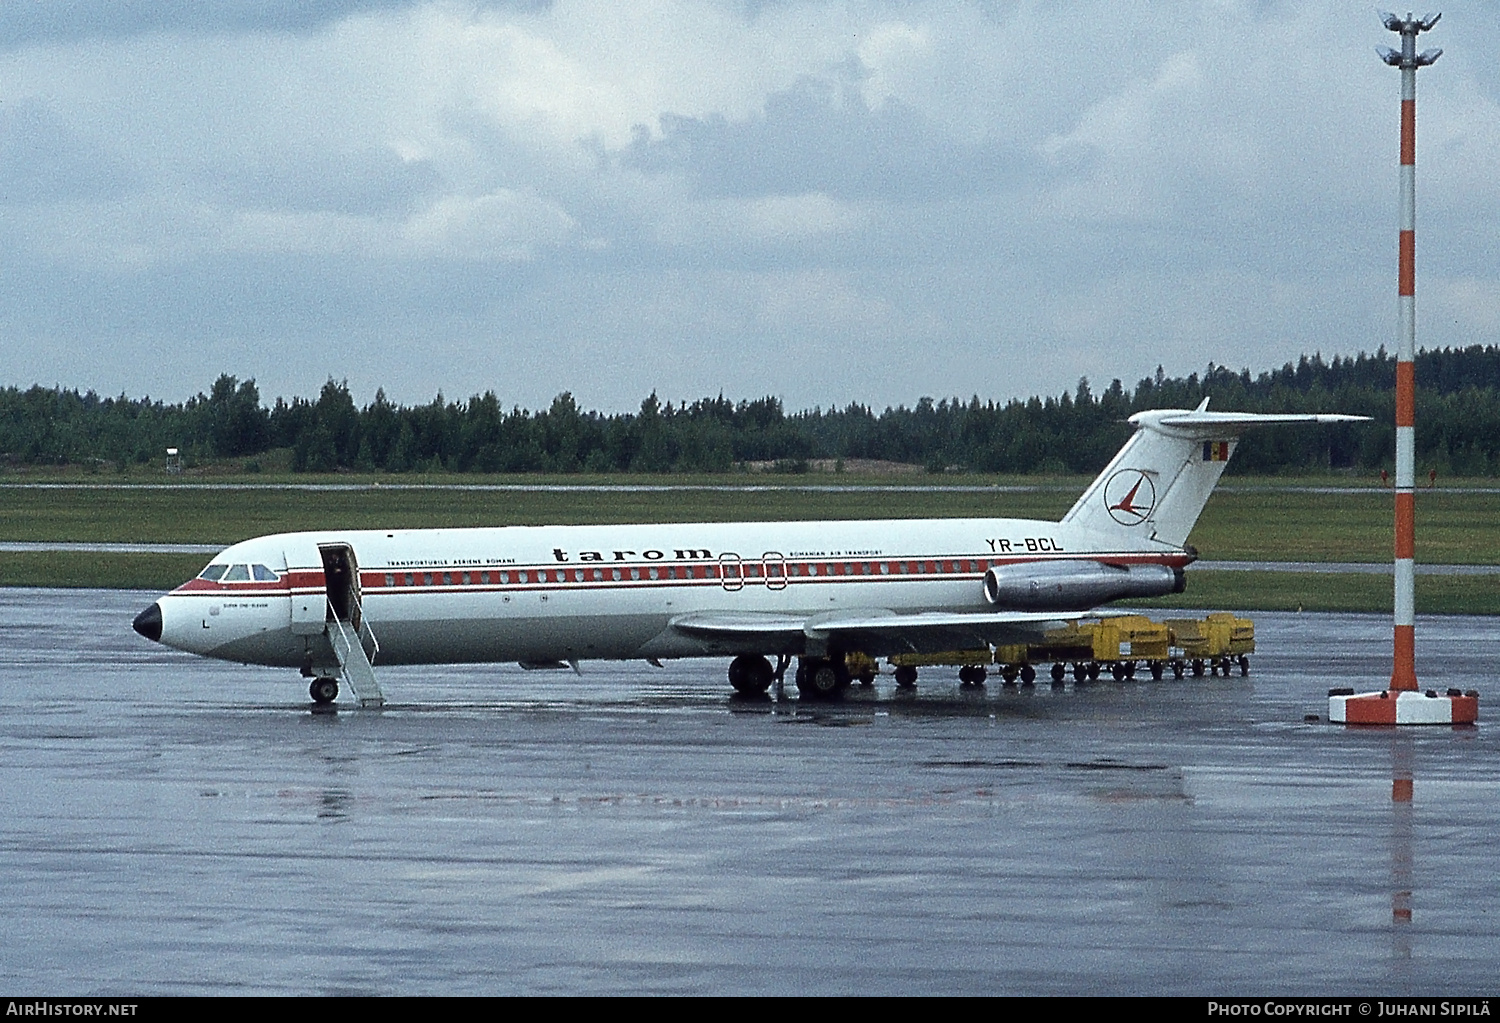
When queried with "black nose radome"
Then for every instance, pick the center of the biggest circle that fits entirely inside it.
(148, 623)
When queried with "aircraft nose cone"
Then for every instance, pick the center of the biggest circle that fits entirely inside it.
(148, 623)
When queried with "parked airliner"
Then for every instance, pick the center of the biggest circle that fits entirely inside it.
(334, 603)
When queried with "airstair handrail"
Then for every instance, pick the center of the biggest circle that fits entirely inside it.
(364, 626)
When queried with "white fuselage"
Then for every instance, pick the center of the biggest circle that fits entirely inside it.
(566, 593)
(336, 603)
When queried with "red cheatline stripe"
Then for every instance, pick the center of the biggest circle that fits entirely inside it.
(1407, 277)
(1406, 393)
(1404, 675)
(1405, 524)
(1408, 132)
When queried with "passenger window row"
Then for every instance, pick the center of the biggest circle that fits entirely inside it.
(711, 570)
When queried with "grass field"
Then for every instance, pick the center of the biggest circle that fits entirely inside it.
(1253, 521)
(1291, 591)
(109, 571)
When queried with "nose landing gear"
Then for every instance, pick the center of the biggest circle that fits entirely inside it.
(323, 690)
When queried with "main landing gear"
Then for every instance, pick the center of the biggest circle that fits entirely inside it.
(751, 674)
(821, 678)
(323, 690)
(817, 677)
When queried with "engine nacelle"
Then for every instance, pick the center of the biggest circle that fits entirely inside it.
(1076, 585)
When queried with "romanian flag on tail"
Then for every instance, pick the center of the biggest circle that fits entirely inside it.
(1216, 451)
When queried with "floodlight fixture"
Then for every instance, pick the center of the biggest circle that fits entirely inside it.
(1408, 59)
(1411, 24)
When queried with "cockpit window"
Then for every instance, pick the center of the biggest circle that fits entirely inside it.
(237, 574)
(263, 574)
(212, 573)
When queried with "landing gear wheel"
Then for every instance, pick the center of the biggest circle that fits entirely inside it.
(972, 674)
(1080, 672)
(323, 690)
(1117, 671)
(822, 679)
(906, 677)
(1028, 675)
(1009, 674)
(1093, 671)
(1197, 669)
(1059, 672)
(751, 674)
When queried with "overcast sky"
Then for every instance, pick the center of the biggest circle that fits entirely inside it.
(822, 201)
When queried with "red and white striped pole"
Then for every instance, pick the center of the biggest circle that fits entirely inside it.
(1403, 703)
(1404, 671)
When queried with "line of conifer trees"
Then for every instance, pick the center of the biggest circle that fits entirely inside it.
(1458, 403)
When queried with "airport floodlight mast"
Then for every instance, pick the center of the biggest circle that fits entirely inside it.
(1404, 673)
(1403, 702)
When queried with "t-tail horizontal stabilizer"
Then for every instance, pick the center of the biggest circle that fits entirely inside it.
(1156, 487)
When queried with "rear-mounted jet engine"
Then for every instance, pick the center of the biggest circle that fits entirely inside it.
(1076, 585)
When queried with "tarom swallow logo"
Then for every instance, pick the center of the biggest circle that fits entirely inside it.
(1130, 496)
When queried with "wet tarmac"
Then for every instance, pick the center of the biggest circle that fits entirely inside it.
(173, 825)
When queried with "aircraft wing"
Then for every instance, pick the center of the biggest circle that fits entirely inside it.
(726, 624)
(880, 631)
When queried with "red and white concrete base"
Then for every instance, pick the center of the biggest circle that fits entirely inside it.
(1404, 707)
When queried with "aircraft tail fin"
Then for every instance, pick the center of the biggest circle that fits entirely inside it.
(1157, 485)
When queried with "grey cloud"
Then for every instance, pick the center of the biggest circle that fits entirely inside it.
(24, 22)
(976, 257)
(820, 136)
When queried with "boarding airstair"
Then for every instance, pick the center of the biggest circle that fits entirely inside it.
(346, 626)
(355, 665)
